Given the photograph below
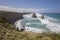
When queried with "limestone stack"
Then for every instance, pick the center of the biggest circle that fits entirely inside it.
(42, 16)
(34, 16)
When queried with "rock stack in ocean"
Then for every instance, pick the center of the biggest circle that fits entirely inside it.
(34, 16)
(42, 17)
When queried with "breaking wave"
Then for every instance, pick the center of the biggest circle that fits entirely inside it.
(49, 24)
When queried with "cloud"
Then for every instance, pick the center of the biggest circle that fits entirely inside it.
(7, 8)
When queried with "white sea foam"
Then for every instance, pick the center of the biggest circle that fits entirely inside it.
(20, 24)
(27, 16)
(31, 29)
(54, 27)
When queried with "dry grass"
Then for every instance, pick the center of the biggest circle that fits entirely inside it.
(7, 32)
(15, 35)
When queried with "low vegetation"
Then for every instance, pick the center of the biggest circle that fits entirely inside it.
(8, 32)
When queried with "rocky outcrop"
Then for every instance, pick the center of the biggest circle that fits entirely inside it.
(42, 17)
(34, 16)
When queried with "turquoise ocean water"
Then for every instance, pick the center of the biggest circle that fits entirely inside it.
(51, 22)
(53, 15)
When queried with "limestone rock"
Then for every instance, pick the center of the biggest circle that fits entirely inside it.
(34, 16)
(42, 17)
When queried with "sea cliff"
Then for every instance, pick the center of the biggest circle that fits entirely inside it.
(12, 17)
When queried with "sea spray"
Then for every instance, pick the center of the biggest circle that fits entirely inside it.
(48, 23)
(20, 24)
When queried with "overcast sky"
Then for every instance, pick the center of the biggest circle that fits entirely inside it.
(33, 5)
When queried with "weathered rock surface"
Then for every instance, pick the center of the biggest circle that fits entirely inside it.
(42, 17)
(12, 17)
(34, 16)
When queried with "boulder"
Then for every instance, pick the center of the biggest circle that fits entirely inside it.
(42, 17)
(34, 16)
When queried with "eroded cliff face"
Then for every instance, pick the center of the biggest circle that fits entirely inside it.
(11, 17)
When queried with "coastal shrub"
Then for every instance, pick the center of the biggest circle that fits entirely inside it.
(10, 34)
(3, 20)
